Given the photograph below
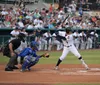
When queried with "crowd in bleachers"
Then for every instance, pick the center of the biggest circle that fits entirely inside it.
(47, 18)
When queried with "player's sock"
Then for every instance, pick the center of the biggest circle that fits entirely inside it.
(81, 60)
(59, 61)
(85, 65)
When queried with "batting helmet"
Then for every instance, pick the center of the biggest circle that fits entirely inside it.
(68, 29)
(34, 44)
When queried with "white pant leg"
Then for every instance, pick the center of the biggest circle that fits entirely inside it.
(83, 44)
(49, 45)
(90, 41)
(44, 44)
(64, 53)
(56, 42)
(74, 51)
(87, 44)
(40, 46)
(77, 43)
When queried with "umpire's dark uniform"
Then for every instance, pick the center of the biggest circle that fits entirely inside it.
(9, 49)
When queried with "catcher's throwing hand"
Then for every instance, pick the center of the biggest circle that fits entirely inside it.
(45, 55)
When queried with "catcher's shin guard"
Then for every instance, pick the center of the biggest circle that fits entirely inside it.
(32, 64)
(24, 65)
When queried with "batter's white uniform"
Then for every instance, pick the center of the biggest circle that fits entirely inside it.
(68, 45)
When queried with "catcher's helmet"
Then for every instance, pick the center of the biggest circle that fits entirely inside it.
(34, 44)
(22, 36)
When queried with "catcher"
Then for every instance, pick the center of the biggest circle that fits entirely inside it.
(28, 57)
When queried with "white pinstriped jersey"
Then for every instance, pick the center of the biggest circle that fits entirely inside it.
(69, 38)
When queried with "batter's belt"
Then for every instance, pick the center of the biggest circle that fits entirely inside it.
(68, 46)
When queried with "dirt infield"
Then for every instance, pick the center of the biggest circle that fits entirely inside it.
(46, 75)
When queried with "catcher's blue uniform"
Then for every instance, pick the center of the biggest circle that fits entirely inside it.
(29, 57)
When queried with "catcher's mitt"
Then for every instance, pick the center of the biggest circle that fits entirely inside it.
(45, 55)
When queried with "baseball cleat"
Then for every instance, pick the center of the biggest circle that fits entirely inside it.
(22, 70)
(56, 68)
(86, 66)
(14, 67)
(29, 69)
(8, 69)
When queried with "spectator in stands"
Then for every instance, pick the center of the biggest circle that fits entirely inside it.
(50, 25)
(51, 8)
(20, 23)
(1, 24)
(73, 5)
(51, 20)
(4, 11)
(36, 13)
(80, 11)
(30, 26)
(43, 12)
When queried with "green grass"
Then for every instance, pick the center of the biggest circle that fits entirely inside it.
(3, 59)
(90, 57)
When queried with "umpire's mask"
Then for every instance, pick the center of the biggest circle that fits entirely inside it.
(22, 37)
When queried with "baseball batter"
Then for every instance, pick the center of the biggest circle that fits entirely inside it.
(67, 39)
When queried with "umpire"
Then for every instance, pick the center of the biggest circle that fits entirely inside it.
(9, 52)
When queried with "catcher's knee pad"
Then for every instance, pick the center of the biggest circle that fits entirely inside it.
(28, 59)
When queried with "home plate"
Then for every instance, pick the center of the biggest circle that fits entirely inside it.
(94, 70)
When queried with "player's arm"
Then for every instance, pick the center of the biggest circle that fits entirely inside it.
(61, 34)
(37, 57)
(11, 49)
(45, 55)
